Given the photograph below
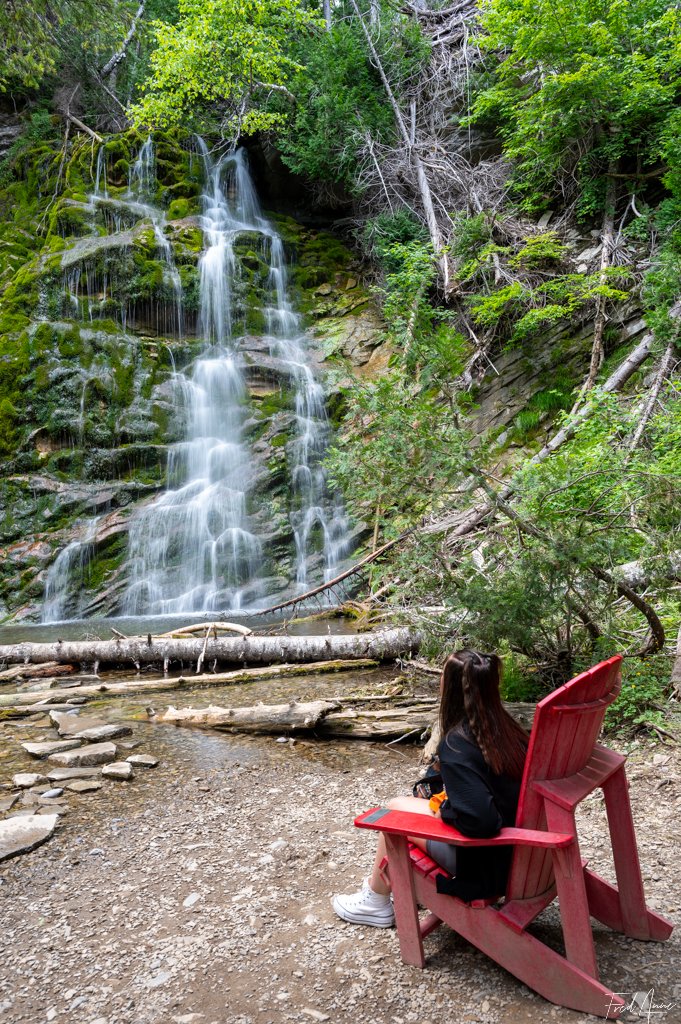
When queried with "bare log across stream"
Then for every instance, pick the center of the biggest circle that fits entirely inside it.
(382, 645)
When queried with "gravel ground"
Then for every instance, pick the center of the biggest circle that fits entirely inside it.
(200, 893)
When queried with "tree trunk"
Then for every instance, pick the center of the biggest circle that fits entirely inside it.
(325, 718)
(421, 176)
(607, 235)
(113, 62)
(263, 718)
(660, 377)
(383, 645)
(332, 719)
(676, 668)
(39, 698)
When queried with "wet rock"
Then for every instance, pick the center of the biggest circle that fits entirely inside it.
(120, 770)
(142, 761)
(50, 748)
(87, 728)
(83, 786)
(63, 774)
(92, 754)
(23, 833)
(24, 780)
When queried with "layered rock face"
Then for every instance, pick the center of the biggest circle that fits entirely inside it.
(105, 339)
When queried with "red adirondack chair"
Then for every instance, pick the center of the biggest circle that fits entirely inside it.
(564, 764)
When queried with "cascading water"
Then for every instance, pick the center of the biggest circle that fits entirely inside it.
(311, 511)
(142, 180)
(68, 569)
(194, 548)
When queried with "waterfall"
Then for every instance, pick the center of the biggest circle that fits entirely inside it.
(194, 548)
(66, 573)
(311, 507)
(141, 187)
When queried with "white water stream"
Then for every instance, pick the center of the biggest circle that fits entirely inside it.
(195, 548)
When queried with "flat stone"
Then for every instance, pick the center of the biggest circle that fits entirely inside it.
(24, 832)
(87, 728)
(92, 754)
(63, 774)
(47, 749)
(120, 770)
(52, 808)
(24, 780)
(142, 761)
(83, 786)
(8, 802)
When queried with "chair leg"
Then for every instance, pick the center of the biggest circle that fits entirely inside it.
(404, 899)
(572, 898)
(635, 916)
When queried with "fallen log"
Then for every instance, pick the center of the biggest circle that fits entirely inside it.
(330, 719)
(382, 645)
(22, 672)
(39, 698)
(386, 724)
(208, 627)
(338, 718)
(263, 718)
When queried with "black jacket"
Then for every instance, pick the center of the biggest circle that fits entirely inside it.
(479, 803)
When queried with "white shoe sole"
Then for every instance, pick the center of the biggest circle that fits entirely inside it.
(375, 921)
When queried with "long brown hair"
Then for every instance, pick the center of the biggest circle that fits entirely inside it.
(470, 694)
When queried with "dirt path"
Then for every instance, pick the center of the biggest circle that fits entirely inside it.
(200, 894)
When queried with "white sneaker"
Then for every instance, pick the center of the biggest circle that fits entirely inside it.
(366, 907)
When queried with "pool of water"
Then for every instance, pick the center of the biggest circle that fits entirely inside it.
(90, 629)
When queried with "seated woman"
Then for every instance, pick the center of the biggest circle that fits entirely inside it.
(481, 754)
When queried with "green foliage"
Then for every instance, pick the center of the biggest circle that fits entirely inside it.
(519, 310)
(381, 233)
(222, 51)
(641, 701)
(341, 101)
(39, 37)
(582, 86)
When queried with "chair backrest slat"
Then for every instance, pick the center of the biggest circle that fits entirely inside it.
(566, 727)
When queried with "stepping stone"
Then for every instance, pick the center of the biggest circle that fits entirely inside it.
(120, 770)
(87, 728)
(92, 754)
(42, 750)
(24, 832)
(83, 786)
(24, 780)
(142, 761)
(63, 774)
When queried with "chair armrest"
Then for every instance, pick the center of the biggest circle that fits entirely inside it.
(406, 823)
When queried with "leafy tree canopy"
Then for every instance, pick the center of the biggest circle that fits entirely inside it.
(222, 52)
(584, 84)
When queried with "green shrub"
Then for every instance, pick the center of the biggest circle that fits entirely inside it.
(641, 700)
